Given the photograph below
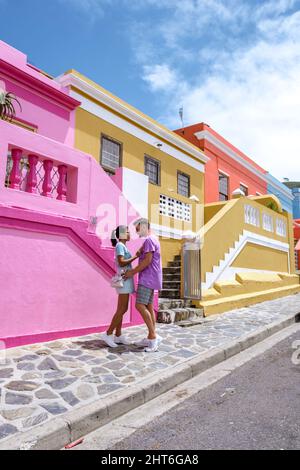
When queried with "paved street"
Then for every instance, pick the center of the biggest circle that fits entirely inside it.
(40, 382)
(255, 407)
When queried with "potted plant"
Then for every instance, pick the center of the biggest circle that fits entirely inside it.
(7, 104)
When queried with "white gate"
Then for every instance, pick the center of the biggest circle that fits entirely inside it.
(192, 270)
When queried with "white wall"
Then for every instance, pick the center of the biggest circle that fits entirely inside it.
(135, 189)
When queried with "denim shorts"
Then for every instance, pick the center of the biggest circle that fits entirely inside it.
(144, 295)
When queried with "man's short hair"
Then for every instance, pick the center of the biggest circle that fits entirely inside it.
(142, 221)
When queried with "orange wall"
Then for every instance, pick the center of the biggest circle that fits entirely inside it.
(220, 161)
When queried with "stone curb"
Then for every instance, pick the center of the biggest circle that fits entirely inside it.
(58, 432)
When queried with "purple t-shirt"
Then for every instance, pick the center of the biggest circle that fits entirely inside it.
(151, 276)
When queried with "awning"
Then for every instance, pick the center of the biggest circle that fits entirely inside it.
(297, 247)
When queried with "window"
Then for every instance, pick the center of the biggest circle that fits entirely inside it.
(152, 170)
(183, 184)
(281, 229)
(244, 189)
(223, 187)
(252, 215)
(110, 154)
(174, 208)
(268, 224)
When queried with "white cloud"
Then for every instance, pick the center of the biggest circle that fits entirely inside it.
(251, 92)
(234, 64)
(160, 77)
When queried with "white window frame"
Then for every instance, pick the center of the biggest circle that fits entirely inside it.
(268, 222)
(252, 215)
(281, 227)
(174, 208)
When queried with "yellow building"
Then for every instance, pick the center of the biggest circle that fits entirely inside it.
(232, 253)
(247, 254)
(160, 173)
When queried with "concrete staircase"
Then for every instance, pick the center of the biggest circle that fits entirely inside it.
(246, 289)
(173, 309)
(172, 280)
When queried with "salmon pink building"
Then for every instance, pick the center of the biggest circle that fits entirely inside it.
(297, 242)
(228, 169)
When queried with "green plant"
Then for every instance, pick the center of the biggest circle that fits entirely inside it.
(7, 105)
(271, 205)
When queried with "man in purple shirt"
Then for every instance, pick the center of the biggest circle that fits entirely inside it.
(150, 279)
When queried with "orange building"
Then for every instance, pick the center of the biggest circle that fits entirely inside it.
(297, 242)
(228, 168)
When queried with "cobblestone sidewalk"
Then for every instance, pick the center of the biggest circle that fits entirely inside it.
(42, 381)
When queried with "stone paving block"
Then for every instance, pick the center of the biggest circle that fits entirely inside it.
(69, 375)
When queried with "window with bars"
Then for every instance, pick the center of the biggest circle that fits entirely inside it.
(244, 189)
(174, 208)
(110, 154)
(152, 170)
(183, 184)
(223, 187)
(252, 215)
(281, 228)
(268, 223)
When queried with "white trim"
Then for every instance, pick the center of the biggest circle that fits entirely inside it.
(244, 184)
(231, 255)
(235, 156)
(121, 108)
(168, 232)
(226, 149)
(223, 173)
(126, 126)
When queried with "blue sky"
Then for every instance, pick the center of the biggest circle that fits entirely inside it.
(231, 63)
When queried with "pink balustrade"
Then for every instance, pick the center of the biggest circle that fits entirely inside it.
(36, 175)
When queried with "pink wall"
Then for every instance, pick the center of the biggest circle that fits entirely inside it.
(55, 272)
(297, 236)
(45, 104)
(51, 287)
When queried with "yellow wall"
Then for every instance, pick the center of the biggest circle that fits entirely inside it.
(88, 139)
(260, 257)
(169, 249)
(225, 227)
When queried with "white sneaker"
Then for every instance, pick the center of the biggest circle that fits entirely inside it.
(152, 346)
(109, 340)
(159, 338)
(145, 342)
(121, 340)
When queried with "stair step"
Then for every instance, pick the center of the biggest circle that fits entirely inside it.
(174, 264)
(172, 277)
(177, 258)
(175, 315)
(170, 293)
(171, 284)
(172, 270)
(166, 303)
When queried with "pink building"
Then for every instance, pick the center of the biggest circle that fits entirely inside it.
(54, 270)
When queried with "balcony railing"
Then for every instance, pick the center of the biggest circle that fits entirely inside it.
(36, 175)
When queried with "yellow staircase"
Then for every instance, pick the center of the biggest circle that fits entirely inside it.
(246, 289)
